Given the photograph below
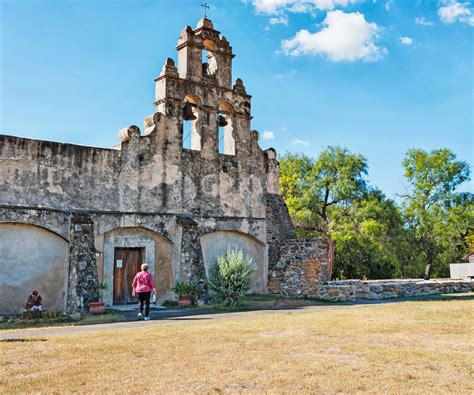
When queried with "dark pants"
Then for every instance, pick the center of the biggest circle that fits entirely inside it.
(144, 297)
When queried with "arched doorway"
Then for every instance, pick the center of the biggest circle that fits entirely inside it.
(123, 250)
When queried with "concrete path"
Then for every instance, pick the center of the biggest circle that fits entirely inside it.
(159, 316)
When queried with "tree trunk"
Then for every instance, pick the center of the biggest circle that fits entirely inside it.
(428, 269)
(331, 256)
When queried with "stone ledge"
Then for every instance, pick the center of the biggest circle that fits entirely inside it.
(385, 289)
(335, 293)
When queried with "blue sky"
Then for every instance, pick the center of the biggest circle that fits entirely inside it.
(379, 77)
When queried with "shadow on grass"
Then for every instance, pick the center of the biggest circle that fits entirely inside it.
(23, 340)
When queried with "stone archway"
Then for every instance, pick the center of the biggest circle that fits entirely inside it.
(216, 243)
(156, 251)
(32, 257)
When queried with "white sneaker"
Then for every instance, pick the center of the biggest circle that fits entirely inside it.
(147, 318)
(139, 316)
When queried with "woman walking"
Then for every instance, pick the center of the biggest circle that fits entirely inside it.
(142, 285)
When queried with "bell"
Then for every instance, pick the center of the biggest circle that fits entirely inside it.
(222, 121)
(188, 113)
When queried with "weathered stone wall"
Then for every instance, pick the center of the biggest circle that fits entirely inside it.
(61, 176)
(83, 278)
(279, 225)
(384, 289)
(335, 293)
(301, 266)
(151, 173)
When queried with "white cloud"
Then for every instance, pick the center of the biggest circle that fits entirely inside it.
(272, 7)
(269, 6)
(389, 5)
(282, 76)
(406, 40)
(279, 20)
(299, 142)
(452, 11)
(423, 21)
(347, 36)
(268, 135)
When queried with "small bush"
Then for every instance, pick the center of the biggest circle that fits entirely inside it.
(183, 288)
(230, 277)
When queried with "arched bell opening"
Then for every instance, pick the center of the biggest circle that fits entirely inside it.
(226, 141)
(191, 135)
(209, 60)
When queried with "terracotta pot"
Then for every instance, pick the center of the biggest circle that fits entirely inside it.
(97, 307)
(185, 300)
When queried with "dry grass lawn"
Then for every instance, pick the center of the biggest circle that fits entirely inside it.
(409, 347)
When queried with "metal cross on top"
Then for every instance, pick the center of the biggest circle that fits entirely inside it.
(205, 7)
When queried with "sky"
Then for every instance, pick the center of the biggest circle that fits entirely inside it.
(379, 77)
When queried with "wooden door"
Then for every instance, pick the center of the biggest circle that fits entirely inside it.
(127, 263)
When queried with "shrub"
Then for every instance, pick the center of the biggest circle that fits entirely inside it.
(230, 276)
(183, 288)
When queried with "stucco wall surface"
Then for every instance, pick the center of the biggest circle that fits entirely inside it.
(32, 258)
(216, 244)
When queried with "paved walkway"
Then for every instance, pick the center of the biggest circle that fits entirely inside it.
(159, 316)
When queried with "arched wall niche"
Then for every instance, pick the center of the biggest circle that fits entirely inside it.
(58, 225)
(216, 244)
(226, 140)
(32, 257)
(208, 57)
(191, 130)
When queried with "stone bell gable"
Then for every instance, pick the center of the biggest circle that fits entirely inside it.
(176, 195)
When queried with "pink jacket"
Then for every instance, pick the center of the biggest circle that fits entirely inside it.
(143, 282)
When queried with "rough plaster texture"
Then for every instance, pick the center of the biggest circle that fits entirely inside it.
(216, 244)
(32, 258)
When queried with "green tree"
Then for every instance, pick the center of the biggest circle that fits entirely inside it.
(369, 238)
(438, 217)
(317, 190)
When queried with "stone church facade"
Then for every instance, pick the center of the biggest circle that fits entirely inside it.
(175, 195)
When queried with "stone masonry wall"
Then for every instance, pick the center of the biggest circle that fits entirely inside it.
(384, 289)
(301, 266)
(279, 225)
(296, 266)
(83, 278)
(335, 293)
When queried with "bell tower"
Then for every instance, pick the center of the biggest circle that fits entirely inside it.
(205, 55)
(212, 115)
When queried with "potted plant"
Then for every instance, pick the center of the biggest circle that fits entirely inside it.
(99, 307)
(186, 292)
